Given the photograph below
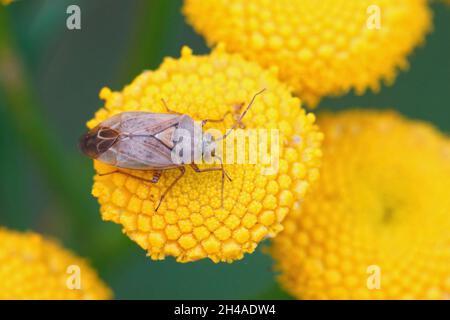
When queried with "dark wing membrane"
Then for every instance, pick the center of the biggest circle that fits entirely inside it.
(147, 123)
(144, 153)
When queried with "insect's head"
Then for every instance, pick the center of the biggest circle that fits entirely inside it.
(97, 141)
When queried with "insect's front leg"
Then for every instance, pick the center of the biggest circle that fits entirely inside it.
(236, 111)
(167, 108)
(216, 120)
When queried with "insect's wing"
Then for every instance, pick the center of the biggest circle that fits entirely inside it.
(144, 153)
(147, 123)
(148, 141)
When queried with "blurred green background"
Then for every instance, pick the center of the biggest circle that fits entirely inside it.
(50, 79)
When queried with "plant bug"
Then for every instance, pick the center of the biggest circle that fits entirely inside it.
(146, 141)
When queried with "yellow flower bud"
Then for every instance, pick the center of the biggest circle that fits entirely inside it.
(322, 48)
(191, 224)
(32, 267)
(376, 225)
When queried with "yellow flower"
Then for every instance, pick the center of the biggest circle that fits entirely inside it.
(32, 267)
(6, 2)
(190, 223)
(322, 47)
(380, 211)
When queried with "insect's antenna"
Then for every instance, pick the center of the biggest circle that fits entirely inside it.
(249, 105)
(242, 115)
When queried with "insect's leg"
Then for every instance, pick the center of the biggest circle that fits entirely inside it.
(107, 173)
(216, 120)
(154, 179)
(182, 171)
(156, 175)
(221, 168)
(167, 108)
(239, 120)
(237, 109)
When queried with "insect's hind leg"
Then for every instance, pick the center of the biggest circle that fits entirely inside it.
(156, 175)
(154, 179)
(182, 171)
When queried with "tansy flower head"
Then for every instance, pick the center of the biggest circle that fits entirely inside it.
(322, 47)
(191, 223)
(32, 267)
(377, 224)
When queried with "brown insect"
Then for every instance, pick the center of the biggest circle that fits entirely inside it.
(147, 141)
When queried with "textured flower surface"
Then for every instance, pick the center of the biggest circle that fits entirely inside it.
(320, 47)
(191, 224)
(381, 208)
(32, 267)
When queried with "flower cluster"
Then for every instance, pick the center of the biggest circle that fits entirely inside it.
(380, 209)
(322, 47)
(32, 267)
(373, 225)
(191, 223)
